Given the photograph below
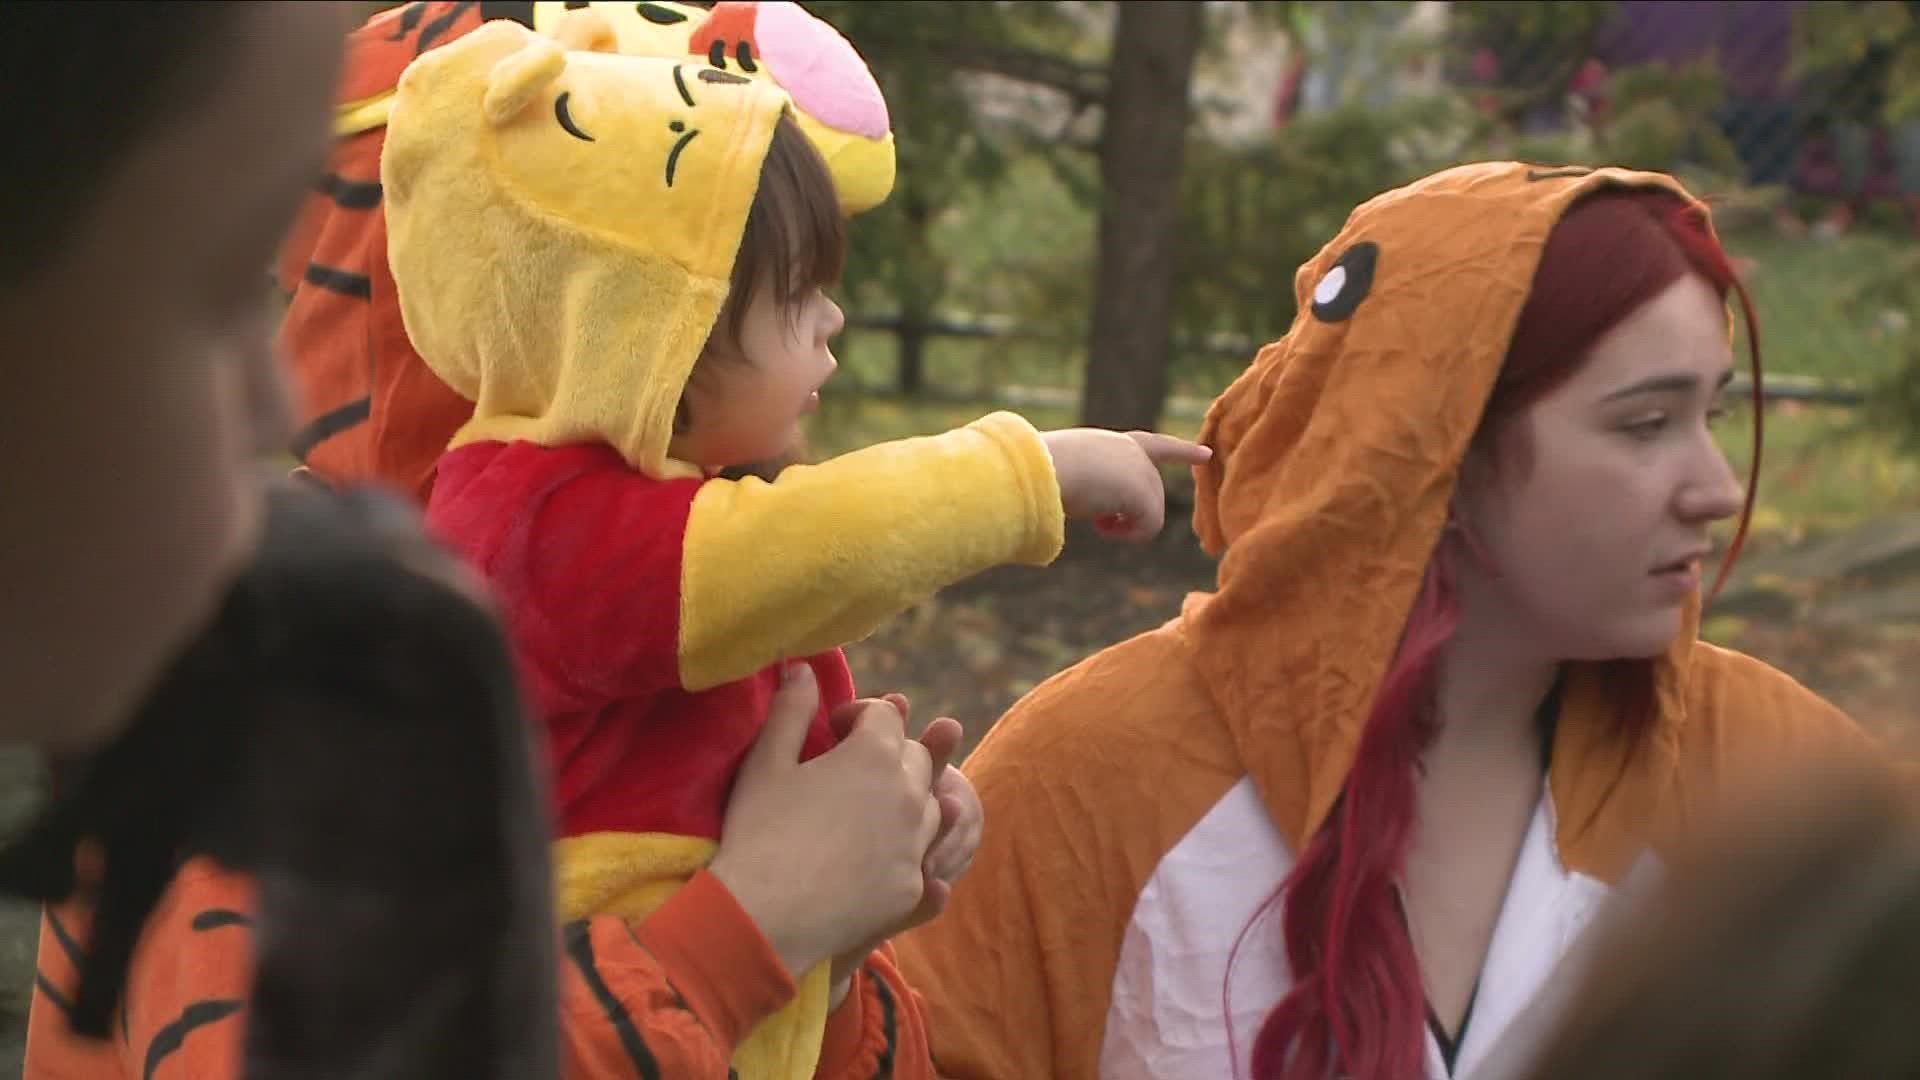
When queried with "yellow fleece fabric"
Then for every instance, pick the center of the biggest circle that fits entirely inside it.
(630, 875)
(662, 31)
(862, 163)
(562, 228)
(607, 192)
(785, 45)
(838, 548)
(651, 29)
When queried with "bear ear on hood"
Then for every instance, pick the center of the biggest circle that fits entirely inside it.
(515, 81)
(586, 30)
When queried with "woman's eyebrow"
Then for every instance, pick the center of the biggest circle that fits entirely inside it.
(1661, 384)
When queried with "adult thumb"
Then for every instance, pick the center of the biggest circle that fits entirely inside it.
(789, 717)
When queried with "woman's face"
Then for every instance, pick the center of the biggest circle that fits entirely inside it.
(1591, 509)
(143, 388)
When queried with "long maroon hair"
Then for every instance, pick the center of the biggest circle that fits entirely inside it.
(1357, 1005)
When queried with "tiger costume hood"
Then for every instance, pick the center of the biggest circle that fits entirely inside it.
(605, 195)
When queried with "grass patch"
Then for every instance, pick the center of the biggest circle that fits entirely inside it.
(1823, 467)
(1802, 290)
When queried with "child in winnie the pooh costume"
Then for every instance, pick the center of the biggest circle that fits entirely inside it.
(372, 412)
(619, 260)
(1448, 693)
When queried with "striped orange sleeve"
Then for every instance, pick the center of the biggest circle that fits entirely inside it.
(182, 1013)
(670, 996)
(880, 1030)
(674, 995)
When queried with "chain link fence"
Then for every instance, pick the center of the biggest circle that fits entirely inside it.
(1800, 118)
(1817, 100)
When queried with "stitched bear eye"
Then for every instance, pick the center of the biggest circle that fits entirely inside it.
(563, 113)
(658, 14)
(1346, 284)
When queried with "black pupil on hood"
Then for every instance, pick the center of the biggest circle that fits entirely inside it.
(659, 16)
(1346, 283)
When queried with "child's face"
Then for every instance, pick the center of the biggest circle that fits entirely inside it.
(142, 385)
(749, 408)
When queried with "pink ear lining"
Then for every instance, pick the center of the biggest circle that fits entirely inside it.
(821, 70)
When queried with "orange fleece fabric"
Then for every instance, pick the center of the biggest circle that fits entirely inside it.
(1335, 455)
(672, 996)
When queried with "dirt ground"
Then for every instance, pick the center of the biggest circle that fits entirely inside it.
(975, 649)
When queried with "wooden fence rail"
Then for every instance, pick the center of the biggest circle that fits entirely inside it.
(1778, 388)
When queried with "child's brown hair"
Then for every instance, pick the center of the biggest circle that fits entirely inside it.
(795, 241)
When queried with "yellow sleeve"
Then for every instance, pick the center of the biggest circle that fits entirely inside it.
(826, 553)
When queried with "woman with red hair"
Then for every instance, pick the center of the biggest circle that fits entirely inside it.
(1345, 815)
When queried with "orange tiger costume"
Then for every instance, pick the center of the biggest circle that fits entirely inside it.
(373, 410)
(668, 997)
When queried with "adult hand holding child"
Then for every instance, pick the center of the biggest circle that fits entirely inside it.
(827, 855)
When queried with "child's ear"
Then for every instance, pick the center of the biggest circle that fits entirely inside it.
(515, 81)
(586, 30)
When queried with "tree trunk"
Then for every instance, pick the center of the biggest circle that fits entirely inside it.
(917, 290)
(911, 355)
(1142, 144)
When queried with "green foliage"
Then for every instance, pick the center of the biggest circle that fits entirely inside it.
(1250, 215)
(993, 217)
(947, 149)
(1660, 121)
(1835, 40)
(1551, 25)
(1885, 294)
(1545, 42)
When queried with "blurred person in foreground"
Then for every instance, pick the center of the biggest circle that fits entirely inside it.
(1785, 944)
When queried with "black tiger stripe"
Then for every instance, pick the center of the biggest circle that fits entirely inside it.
(580, 951)
(215, 918)
(344, 282)
(883, 1066)
(52, 993)
(409, 19)
(349, 194)
(327, 425)
(431, 33)
(679, 1000)
(656, 14)
(192, 1018)
(68, 945)
(521, 12)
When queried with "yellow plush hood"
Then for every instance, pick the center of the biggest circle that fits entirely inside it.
(561, 229)
(1335, 455)
(837, 103)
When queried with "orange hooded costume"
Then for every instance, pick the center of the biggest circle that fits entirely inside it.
(1111, 919)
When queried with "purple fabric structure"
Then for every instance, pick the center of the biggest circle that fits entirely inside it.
(1752, 39)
